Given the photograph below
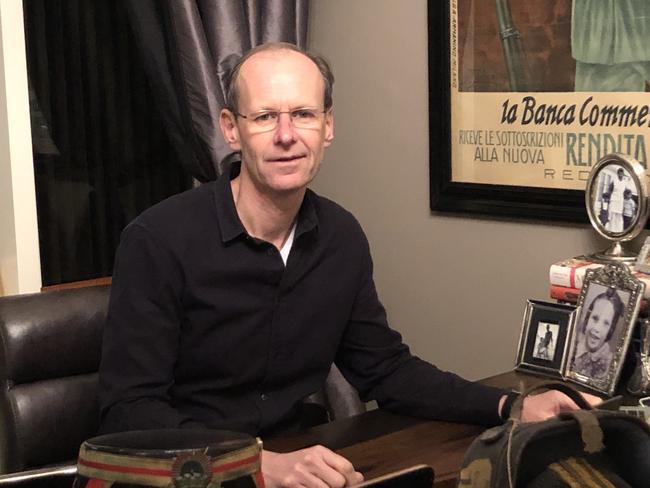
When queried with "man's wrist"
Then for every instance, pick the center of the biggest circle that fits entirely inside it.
(505, 404)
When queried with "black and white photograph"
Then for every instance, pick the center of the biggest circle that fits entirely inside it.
(545, 333)
(598, 331)
(609, 304)
(546, 341)
(616, 200)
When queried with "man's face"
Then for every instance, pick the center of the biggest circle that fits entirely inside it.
(620, 174)
(599, 324)
(286, 158)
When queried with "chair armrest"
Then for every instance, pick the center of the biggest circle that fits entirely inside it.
(15, 479)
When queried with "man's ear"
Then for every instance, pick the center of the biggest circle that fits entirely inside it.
(329, 127)
(228, 124)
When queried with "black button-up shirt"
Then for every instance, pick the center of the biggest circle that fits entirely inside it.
(207, 326)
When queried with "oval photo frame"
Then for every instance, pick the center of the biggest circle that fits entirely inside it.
(616, 197)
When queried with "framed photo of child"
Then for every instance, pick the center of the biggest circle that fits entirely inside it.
(609, 305)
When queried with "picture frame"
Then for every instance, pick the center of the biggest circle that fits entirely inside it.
(616, 197)
(545, 334)
(491, 75)
(643, 259)
(609, 304)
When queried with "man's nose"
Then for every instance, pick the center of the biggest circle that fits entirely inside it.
(285, 132)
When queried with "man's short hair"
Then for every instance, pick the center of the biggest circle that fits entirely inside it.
(232, 92)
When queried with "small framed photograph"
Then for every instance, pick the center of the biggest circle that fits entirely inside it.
(609, 304)
(643, 259)
(545, 332)
(616, 197)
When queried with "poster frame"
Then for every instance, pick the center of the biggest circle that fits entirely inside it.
(530, 203)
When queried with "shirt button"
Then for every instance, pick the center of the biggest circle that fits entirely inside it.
(264, 397)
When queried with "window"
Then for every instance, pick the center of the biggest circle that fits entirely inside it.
(101, 154)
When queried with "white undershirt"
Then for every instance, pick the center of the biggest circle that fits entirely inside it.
(284, 252)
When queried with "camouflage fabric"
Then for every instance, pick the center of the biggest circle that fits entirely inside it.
(575, 449)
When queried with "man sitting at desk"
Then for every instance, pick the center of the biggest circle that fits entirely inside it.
(230, 301)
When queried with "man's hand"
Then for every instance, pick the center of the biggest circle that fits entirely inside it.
(316, 467)
(550, 403)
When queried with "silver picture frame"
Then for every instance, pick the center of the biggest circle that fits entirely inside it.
(643, 259)
(546, 330)
(608, 307)
(616, 198)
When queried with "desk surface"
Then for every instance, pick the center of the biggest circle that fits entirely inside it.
(378, 442)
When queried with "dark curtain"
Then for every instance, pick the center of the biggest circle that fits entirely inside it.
(188, 46)
(101, 154)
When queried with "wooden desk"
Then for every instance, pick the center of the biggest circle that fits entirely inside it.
(379, 442)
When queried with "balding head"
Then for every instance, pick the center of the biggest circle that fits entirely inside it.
(232, 80)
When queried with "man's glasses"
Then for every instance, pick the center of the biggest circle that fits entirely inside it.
(301, 118)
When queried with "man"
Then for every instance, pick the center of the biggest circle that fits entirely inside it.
(616, 193)
(545, 344)
(594, 355)
(230, 301)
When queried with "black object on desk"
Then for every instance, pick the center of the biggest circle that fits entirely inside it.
(170, 457)
(611, 403)
(420, 476)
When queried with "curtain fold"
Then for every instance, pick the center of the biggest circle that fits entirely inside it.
(188, 47)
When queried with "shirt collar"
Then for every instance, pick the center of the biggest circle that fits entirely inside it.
(229, 223)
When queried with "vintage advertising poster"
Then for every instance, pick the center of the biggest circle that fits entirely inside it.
(542, 89)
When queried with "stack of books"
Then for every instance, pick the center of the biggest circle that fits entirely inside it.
(566, 278)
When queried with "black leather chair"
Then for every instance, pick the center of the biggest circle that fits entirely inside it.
(341, 399)
(51, 345)
(49, 357)
(338, 399)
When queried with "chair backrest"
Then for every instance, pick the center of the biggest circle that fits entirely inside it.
(341, 398)
(337, 399)
(49, 358)
(50, 349)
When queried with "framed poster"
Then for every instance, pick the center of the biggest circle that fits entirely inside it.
(527, 95)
